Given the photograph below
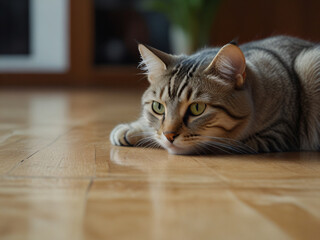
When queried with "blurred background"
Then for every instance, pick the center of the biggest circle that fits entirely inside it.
(93, 43)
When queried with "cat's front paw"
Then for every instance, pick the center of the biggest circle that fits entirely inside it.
(125, 135)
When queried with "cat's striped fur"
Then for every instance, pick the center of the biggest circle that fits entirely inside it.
(263, 96)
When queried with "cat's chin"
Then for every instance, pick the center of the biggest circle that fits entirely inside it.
(179, 150)
(175, 148)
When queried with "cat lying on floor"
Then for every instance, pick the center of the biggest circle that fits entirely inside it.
(263, 96)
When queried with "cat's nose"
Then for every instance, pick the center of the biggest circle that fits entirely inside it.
(170, 136)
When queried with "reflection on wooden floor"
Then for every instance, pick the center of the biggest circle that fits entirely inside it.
(61, 179)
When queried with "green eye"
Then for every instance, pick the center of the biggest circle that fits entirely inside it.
(157, 107)
(197, 108)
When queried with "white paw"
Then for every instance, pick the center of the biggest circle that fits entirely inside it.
(125, 135)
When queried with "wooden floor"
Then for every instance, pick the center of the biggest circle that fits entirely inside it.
(61, 179)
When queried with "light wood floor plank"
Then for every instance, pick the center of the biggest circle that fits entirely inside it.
(42, 208)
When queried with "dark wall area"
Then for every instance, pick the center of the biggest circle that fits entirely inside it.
(254, 19)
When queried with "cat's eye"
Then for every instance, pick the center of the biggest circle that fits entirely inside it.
(158, 108)
(197, 108)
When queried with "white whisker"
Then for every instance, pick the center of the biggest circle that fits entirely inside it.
(240, 146)
(210, 145)
(224, 146)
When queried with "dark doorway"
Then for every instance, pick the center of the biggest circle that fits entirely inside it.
(14, 27)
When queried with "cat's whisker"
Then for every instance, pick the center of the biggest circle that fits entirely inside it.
(144, 141)
(242, 145)
(204, 148)
(225, 139)
(235, 143)
(229, 146)
(201, 148)
(197, 148)
(225, 142)
(234, 148)
(225, 146)
(148, 142)
(209, 145)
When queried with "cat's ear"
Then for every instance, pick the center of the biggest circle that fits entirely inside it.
(154, 61)
(230, 64)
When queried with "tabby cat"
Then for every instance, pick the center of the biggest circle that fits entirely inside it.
(263, 96)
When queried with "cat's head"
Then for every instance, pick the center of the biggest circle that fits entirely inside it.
(196, 103)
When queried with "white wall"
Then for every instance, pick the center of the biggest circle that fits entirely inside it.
(49, 37)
